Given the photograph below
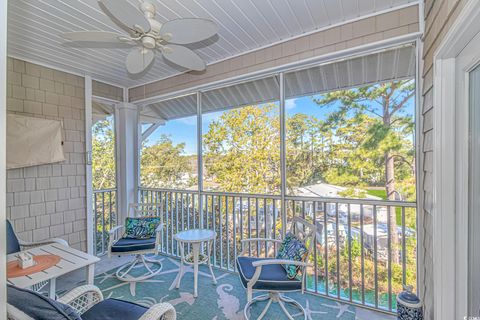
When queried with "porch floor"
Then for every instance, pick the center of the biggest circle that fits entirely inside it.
(224, 301)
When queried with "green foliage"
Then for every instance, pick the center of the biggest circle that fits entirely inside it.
(356, 249)
(103, 154)
(368, 268)
(366, 130)
(381, 193)
(242, 151)
(371, 128)
(306, 144)
(164, 165)
(353, 193)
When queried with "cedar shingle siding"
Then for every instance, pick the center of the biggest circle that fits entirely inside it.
(50, 200)
(439, 16)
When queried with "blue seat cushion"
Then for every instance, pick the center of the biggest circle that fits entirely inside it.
(38, 306)
(12, 241)
(113, 309)
(273, 277)
(129, 244)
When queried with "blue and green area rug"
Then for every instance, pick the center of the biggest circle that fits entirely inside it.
(217, 302)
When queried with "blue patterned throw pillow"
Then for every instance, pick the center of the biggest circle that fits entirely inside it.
(292, 249)
(141, 228)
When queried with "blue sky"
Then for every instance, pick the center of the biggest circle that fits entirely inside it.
(185, 130)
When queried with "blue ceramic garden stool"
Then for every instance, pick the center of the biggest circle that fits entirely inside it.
(409, 306)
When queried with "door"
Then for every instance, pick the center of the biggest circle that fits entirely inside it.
(101, 169)
(468, 173)
(456, 180)
(104, 172)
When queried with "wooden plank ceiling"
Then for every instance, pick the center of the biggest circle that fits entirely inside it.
(34, 28)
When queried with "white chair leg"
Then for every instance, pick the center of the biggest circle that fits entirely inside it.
(253, 301)
(124, 275)
(196, 252)
(249, 294)
(282, 305)
(182, 259)
(144, 261)
(264, 312)
(209, 249)
(131, 266)
(273, 297)
(293, 303)
(180, 275)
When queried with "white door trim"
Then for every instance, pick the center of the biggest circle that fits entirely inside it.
(444, 208)
(450, 227)
(88, 164)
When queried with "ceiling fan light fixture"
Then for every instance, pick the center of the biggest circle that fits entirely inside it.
(149, 42)
(150, 36)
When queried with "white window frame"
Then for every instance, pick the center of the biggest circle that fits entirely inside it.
(280, 71)
(450, 171)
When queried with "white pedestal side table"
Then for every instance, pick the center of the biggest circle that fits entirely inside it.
(195, 237)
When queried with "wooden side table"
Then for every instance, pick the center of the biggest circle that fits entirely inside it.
(195, 237)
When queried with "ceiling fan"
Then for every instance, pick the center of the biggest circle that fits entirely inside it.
(148, 36)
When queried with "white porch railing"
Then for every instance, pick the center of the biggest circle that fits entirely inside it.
(105, 217)
(356, 258)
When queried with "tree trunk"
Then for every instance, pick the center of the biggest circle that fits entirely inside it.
(390, 188)
(390, 183)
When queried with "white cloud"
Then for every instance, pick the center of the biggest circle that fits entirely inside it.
(290, 104)
(206, 118)
(190, 121)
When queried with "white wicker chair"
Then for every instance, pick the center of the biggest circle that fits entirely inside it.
(123, 273)
(85, 297)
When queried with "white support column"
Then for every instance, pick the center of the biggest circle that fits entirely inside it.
(126, 124)
(200, 158)
(283, 157)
